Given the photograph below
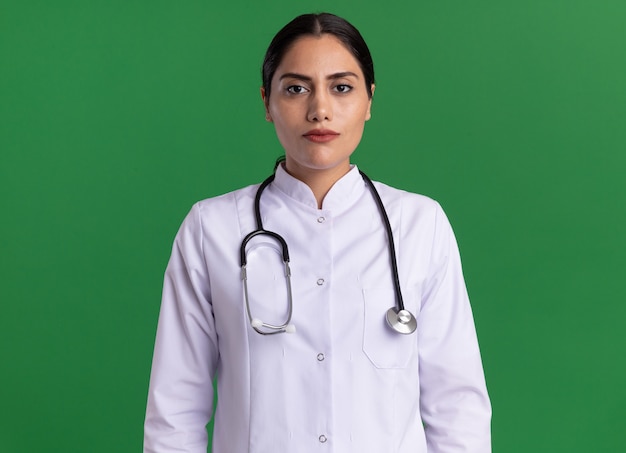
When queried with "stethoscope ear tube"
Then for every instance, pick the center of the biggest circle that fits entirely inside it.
(259, 326)
(283, 244)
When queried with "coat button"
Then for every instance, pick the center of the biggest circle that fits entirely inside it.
(323, 438)
(320, 357)
(320, 281)
(321, 219)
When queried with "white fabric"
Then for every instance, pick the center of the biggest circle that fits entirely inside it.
(344, 382)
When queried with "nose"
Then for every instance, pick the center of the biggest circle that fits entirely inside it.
(320, 107)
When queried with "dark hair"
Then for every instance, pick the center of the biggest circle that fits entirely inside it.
(317, 25)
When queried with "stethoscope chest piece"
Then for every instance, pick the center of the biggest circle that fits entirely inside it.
(401, 321)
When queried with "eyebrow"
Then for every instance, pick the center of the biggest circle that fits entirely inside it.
(337, 75)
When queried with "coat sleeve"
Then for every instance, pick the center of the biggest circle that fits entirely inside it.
(455, 407)
(180, 398)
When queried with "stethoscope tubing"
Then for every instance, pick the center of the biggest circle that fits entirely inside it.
(398, 318)
(392, 248)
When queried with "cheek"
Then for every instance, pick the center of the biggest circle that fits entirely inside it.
(283, 127)
(282, 115)
(368, 107)
(359, 117)
(360, 112)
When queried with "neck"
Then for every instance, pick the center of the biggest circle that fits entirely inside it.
(319, 181)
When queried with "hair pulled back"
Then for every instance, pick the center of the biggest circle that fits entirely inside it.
(317, 25)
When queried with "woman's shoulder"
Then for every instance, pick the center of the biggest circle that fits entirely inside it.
(227, 200)
(414, 211)
(392, 195)
(220, 211)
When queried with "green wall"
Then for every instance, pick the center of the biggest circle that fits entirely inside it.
(116, 116)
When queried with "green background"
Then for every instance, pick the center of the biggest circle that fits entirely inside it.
(116, 116)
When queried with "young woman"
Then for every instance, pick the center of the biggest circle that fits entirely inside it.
(332, 309)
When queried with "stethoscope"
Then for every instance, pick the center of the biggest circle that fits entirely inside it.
(398, 317)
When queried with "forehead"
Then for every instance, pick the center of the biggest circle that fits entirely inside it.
(310, 55)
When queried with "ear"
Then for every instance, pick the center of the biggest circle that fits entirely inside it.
(368, 114)
(266, 102)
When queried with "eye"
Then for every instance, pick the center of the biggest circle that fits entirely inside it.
(296, 89)
(343, 88)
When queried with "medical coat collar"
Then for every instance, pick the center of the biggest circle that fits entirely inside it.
(341, 195)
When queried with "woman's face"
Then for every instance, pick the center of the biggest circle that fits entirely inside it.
(318, 105)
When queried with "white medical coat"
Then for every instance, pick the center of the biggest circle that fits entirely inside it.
(344, 382)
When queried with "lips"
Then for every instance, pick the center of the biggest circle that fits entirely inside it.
(320, 135)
